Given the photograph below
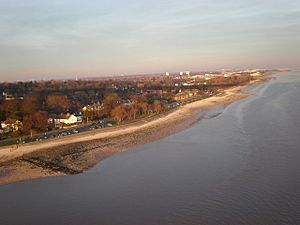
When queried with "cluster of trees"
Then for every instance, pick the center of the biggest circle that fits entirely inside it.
(232, 80)
(37, 121)
(32, 111)
(124, 107)
(138, 106)
(130, 108)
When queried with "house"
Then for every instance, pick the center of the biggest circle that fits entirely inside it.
(94, 107)
(185, 94)
(69, 119)
(79, 118)
(9, 97)
(12, 125)
(181, 96)
(64, 119)
(126, 102)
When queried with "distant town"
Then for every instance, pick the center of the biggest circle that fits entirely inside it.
(39, 110)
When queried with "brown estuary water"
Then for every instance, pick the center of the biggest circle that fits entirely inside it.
(238, 166)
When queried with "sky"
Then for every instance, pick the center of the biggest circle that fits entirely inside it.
(43, 39)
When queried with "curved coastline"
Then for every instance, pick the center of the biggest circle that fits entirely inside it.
(78, 153)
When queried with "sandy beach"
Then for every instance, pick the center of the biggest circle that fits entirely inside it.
(77, 153)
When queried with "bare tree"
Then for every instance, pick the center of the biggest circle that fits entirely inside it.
(119, 113)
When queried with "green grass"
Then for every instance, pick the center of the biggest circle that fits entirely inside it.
(112, 122)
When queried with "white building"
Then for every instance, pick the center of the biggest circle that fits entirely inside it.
(68, 119)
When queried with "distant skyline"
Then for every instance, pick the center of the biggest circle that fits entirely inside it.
(60, 39)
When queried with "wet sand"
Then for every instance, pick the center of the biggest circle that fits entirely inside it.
(77, 153)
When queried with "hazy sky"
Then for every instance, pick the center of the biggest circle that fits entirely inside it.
(64, 38)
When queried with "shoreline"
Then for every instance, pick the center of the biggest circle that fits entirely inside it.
(80, 152)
